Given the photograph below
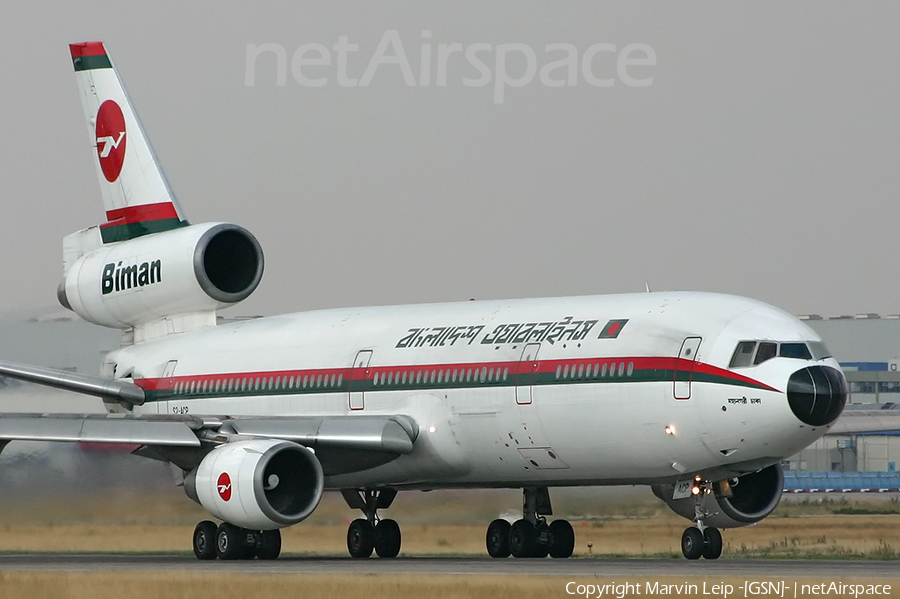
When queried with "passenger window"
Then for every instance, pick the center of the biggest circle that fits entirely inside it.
(566, 372)
(766, 351)
(794, 350)
(581, 371)
(603, 371)
(630, 368)
(505, 373)
(743, 354)
(340, 379)
(621, 368)
(558, 371)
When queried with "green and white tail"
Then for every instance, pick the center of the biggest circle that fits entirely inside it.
(136, 195)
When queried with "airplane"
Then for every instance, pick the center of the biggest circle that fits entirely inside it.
(698, 395)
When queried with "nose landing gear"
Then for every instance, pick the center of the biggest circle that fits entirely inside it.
(531, 536)
(699, 540)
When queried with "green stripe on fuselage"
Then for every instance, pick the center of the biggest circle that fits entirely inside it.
(87, 63)
(131, 230)
(425, 384)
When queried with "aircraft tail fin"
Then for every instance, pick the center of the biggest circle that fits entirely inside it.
(136, 195)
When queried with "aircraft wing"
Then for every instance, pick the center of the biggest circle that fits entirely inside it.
(854, 422)
(352, 432)
(118, 390)
(389, 434)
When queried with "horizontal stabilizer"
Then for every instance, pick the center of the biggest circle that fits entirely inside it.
(71, 381)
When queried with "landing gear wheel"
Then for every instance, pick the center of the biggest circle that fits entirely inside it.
(712, 543)
(522, 539)
(562, 539)
(360, 538)
(497, 539)
(387, 538)
(269, 545)
(692, 543)
(542, 540)
(205, 540)
(229, 541)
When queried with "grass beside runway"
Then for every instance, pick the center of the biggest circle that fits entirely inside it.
(454, 523)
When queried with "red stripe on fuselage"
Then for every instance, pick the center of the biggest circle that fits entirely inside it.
(87, 49)
(140, 214)
(544, 367)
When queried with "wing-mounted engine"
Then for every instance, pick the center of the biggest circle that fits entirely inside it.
(736, 502)
(259, 484)
(162, 283)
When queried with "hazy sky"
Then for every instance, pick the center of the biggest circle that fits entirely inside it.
(762, 160)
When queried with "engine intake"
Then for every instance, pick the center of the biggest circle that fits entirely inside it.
(739, 502)
(228, 262)
(260, 484)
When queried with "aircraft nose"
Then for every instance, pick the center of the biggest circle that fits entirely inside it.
(817, 394)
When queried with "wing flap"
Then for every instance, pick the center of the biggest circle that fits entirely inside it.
(92, 428)
(393, 434)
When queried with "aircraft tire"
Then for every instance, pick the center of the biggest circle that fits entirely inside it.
(692, 543)
(562, 539)
(387, 538)
(541, 540)
(522, 539)
(497, 538)
(229, 541)
(204, 541)
(360, 538)
(712, 543)
(270, 545)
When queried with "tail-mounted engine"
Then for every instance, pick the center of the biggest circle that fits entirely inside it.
(736, 502)
(189, 270)
(260, 484)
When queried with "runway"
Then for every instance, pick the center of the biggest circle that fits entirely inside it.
(632, 568)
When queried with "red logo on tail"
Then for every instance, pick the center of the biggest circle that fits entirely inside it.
(110, 131)
(223, 486)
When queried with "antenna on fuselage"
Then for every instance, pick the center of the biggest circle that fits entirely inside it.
(647, 285)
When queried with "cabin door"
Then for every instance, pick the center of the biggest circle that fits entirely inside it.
(526, 372)
(684, 367)
(356, 382)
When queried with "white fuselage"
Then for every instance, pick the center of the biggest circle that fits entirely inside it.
(614, 389)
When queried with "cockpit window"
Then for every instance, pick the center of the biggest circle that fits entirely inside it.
(766, 351)
(819, 351)
(794, 350)
(743, 354)
(749, 353)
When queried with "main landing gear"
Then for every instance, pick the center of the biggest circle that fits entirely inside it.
(699, 540)
(531, 536)
(372, 533)
(228, 542)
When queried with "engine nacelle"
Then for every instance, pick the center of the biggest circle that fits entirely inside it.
(260, 484)
(752, 498)
(194, 269)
